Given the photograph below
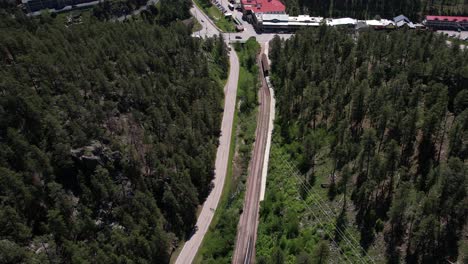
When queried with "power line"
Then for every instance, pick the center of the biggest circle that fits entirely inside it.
(315, 196)
(330, 235)
(308, 189)
(355, 252)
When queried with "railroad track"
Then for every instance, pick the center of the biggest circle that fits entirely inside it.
(244, 251)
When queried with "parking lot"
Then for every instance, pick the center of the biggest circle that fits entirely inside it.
(219, 6)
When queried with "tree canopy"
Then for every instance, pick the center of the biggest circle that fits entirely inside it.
(386, 111)
(369, 9)
(108, 135)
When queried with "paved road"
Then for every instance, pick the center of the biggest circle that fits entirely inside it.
(139, 10)
(209, 29)
(244, 251)
(190, 248)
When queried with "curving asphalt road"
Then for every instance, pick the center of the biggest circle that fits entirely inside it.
(249, 219)
(191, 246)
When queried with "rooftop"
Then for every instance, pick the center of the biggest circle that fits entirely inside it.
(447, 18)
(305, 19)
(274, 17)
(381, 22)
(401, 18)
(264, 6)
(341, 21)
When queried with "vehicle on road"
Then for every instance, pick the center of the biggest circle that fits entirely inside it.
(239, 28)
(231, 6)
(238, 37)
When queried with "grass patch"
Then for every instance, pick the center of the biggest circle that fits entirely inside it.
(196, 25)
(218, 244)
(223, 23)
(293, 224)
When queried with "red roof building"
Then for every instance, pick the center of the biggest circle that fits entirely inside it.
(447, 22)
(447, 18)
(264, 6)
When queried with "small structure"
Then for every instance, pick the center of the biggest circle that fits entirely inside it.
(342, 22)
(361, 25)
(380, 24)
(402, 21)
(446, 23)
(401, 18)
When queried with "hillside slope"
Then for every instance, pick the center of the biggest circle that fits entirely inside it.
(108, 135)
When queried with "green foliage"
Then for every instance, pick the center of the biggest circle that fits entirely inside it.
(390, 110)
(165, 13)
(108, 135)
(373, 9)
(218, 244)
(223, 23)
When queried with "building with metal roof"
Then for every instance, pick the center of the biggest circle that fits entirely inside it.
(401, 18)
(337, 22)
(284, 22)
(402, 21)
(263, 6)
(446, 22)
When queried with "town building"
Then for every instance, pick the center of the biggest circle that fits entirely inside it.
(402, 21)
(341, 22)
(446, 23)
(284, 22)
(263, 7)
(380, 24)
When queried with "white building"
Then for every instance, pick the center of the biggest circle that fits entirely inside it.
(349, 22)
(284, 22)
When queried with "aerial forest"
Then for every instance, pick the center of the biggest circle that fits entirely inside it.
(369, 9)
(108, 136)
(378, 119)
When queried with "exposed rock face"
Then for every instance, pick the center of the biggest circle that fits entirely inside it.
(95, 154)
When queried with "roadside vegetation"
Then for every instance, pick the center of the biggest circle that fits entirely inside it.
(376, 127)
(218, 244)
(223, 23)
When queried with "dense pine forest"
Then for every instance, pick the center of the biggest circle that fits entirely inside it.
(378, 120)
(108, 135)
(367, 9)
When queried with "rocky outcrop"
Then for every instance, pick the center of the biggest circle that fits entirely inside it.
(95, 154)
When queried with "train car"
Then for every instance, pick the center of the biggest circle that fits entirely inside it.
(265, 65)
